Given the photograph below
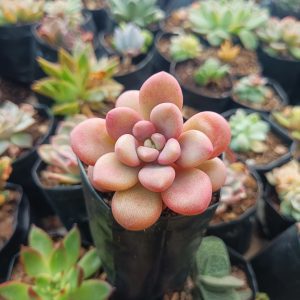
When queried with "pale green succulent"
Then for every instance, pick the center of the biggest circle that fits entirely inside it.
(185, 46)
(14, 121)
(140, 12)
(248, 132)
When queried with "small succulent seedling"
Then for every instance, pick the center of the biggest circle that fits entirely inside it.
(223, 20)
(78, 82)
(252, 89)
(144, 153)
(228, 52)
(140, 12)
(58, 155)
(286, 180)
(248, 132)
(214, 272)
(14, 121)
(130, 41)
(289, 117)
(211, 72)
(281, 38)
(56, 271)
(185, 46)
(20, 12)
(5, 171)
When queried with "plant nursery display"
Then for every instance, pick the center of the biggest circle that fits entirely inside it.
(56, 270)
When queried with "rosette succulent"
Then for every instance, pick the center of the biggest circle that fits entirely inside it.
(184, 46)
(20, 12)
(144, 153)
(58, 155)
(228, 52)
(248, 132)
(14, 121)
(5, 171)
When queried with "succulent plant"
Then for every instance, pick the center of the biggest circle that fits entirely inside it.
(14, 121)
(228, 52)
(129, 40)
(286, 180)
(261, 296)
(140, 12)
(144, 153)
(224, 20)
(5, 171)
(78, 82)
(56, 271)
(248, 131)
(20, 12)
(289, 117)
(281, 38)
(252, 89)
(184, 46)
(210, 72)
(214, 272)
(58, 155)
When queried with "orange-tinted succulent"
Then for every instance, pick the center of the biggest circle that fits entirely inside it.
(144, 153)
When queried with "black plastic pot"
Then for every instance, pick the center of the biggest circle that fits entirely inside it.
(284, 71)
(274, 86)
(279, 12)
(99, 18)
(277, 267)
(198, 101)
(22, 170)
(237, 233)
(144, 264)
(66, 201)
(261, 169)
(169, 5)
(17, 53)
(21, 227)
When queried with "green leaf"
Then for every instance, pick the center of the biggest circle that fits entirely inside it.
(295, 52)
(90, 263)
(66, 109)
(51, 69)
(33, 262)
(22, 139)
(58, 260)
(92, 290)
(72, 246)
(222, 282)
(40, 241)
(248, 39)
(3, 146)
(75, 277)
(14, 291)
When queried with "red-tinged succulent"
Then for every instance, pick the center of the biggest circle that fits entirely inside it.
(144, 153)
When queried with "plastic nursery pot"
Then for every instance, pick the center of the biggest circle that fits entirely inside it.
(284, 71)
(66, 201)
(22, 169)
(20, 230)
(237, 233)
(199, 101)
(277, 267)
(285, 139)
(17, 53)
(279, 12)
(282, 96)
(99, 18)
(144, 264)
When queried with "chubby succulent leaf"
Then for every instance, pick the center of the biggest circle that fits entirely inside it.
(72, 246)
(34, 262)
(14, 290)
(90, 263)
(22, 139)
(40, 241)
(221, 282)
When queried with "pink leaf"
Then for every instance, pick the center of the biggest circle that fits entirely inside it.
(147, 154)
(170, 153)
(129, 99)
(143, 130)
(159, 141)
(125, 150)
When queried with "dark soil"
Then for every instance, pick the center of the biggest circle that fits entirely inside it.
(185, 73)
(244, 64)
(275, 149)
(8, 215)
(177, 21)
(12, 91)
(163, 46)
(94, 4)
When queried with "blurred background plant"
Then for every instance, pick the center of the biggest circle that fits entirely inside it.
(228, 52)
(5, 171)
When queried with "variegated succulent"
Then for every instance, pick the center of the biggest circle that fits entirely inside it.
(144, 153)
(62, 166)
(5, 171)
(14, 121)
(286, 180)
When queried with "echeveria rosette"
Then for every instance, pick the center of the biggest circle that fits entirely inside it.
(144, 153)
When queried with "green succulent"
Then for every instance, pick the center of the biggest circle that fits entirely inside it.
(281, 38)
(5, 171)
(79, 83)
(253, 89)
(56, 271)
(14, 121)
(262, 296)
(211, 71)
(248, 132)
(289, 117)
(214, 272)
(220, 20)
(185, 46)
(140, 12)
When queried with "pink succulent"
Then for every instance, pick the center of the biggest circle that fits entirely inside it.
(144, 153)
